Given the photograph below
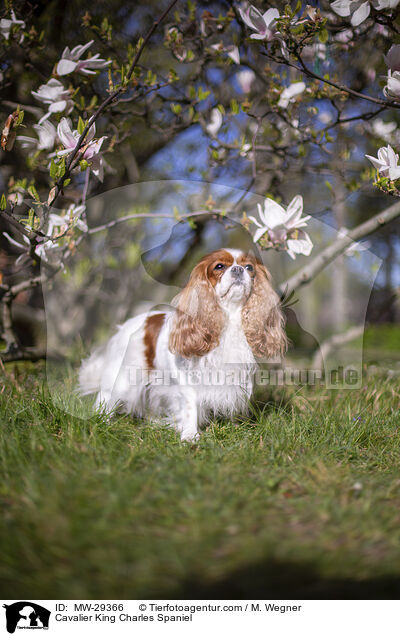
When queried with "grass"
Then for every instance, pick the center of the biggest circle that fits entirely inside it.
(300, 501)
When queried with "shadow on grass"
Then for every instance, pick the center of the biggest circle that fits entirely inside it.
(280, 580)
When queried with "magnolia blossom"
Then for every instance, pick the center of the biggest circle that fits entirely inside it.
(231, 51)
(56, 96)
(245, 149)
(245, 80)
(384, 129)
(380, 5)
(263, 23)
(290, 93)
(358, 10)
(6, 26)
(41, 249)
(283, 227)
(386, 163)
(90, 150)
(72, 216)
(70, 61)
(392, 88)
(392, 58)
(47, 136)
(215, 122)
(57, 225)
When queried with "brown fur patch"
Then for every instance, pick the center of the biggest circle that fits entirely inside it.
(209, 262)
(262, 318)
(152, 328)
(199, 318)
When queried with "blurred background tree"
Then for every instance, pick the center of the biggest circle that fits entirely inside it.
(208, 103)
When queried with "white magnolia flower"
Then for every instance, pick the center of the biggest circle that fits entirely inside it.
(263, 23)
(90, 151)
(386, 163)
(40, 250)
(245, 149)
(392, 88)
(380, 5)
(56, 96)
(231, 51)
(392, 58)
(283, 227)
(290, 93)
(47, 136)
(215, 122)
(62, 222)
(70, 61)
(74, 213)
(245, 80)
(384, 129)
(358, 10)
(6, 26)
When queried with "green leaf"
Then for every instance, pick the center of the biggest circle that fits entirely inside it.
(323, 36)
(33, 192)
(61, 167)
(81, 125)
(20, 118)
(235, 107)
(83, 165)
(3, 202)
(53, 169)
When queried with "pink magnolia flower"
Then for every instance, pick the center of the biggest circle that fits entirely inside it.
(70, 61)
(263, 23)
(90, 150)
(392, 58)
(56, 96)
(386, 163)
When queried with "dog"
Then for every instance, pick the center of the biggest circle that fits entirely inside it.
(198, 359)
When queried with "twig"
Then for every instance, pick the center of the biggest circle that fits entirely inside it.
(58, 187)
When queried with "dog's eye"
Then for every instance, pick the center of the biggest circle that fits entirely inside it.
(219, 266)
(249, 268)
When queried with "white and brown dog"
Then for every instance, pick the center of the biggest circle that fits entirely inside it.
(199, 359)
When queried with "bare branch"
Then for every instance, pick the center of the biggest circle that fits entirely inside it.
(337, 340)
(309, 271)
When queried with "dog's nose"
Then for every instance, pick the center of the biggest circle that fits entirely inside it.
(237, 271)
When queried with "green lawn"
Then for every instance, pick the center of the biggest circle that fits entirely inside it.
(301, 501)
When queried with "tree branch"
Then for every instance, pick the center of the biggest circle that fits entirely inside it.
(337, 340)
(58, 187)
(309, 271)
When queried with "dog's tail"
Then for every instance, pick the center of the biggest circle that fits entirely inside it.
(89, 379)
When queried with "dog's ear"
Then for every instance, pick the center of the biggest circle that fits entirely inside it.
(262, 318)
(198, 321)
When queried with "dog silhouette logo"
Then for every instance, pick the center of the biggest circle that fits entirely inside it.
(26, 615)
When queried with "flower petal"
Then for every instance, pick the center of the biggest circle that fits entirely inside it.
(360, 14)
(64, 67)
